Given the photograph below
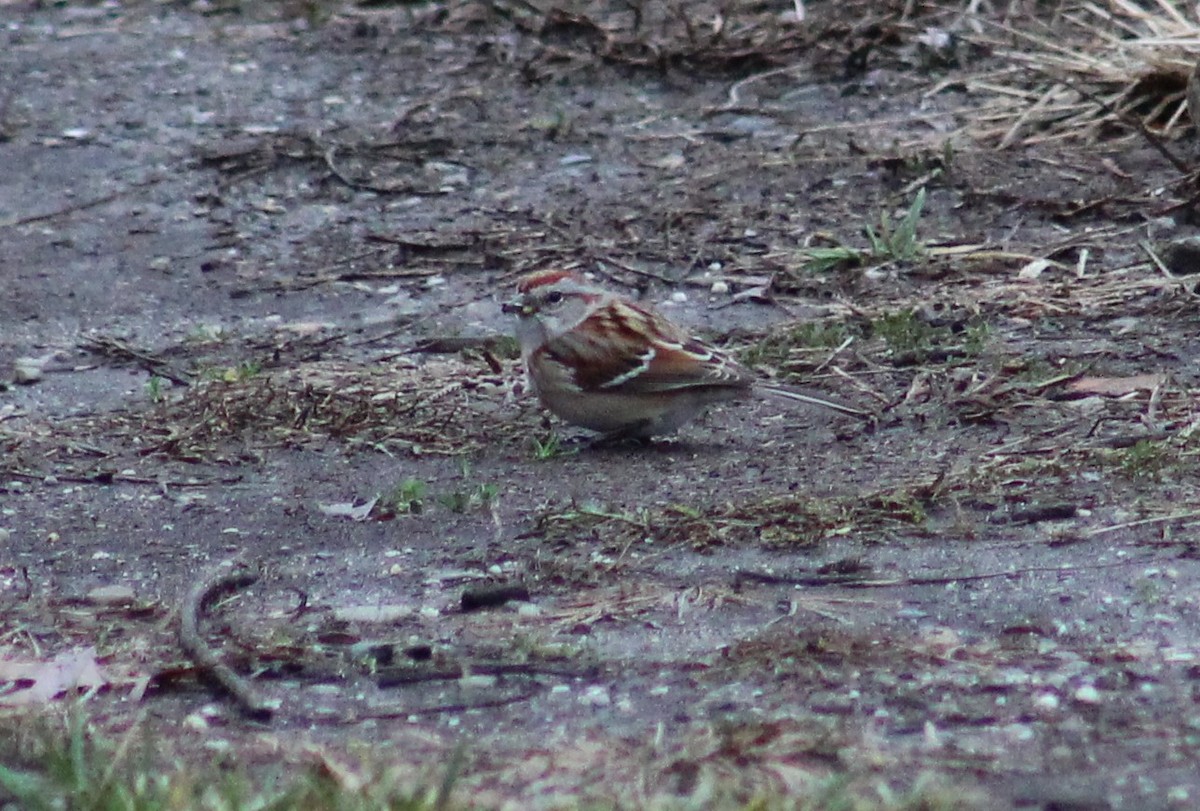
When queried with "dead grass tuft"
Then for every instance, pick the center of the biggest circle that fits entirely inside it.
(441, 407)
(1099, 67)
(775, 522)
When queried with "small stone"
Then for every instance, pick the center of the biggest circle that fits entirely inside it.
(1046, 701)
(27, 371)
(113, 595)
(372, 613)
(1087, 694)
(596, 696)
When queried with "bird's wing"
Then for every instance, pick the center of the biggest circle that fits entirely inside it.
(608, 352)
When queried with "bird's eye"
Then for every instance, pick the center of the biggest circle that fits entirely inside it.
(554, 298)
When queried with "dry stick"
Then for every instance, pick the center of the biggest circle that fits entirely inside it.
(81, 206)
(120, 350)
(850, 583)
(1160, 519)
(389, 712)
(218, 580)
(397, 676)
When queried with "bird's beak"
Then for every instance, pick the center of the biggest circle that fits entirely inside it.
(516, 306)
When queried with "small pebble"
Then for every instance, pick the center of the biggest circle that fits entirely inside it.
(596, 696)
(1087, 694)
(111, 595)
(27, 371)
(372, 613)
(1046, 701)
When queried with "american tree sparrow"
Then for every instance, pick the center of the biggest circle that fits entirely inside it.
(603, 362)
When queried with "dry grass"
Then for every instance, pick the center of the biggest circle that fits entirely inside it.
(440, 407)
(1087, 72)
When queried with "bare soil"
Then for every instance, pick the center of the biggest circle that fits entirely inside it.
(256, 257)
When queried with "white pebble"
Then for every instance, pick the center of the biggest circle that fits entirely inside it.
(679, 297)
(27, 371)
(111, 595)
(1046, 701)
(1087, 694)
(596, 696)
(719, 288)
(372, 613)
(477, 681)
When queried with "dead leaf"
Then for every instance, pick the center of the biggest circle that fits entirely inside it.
(1115, 386)
(348, 509)
(1034, 269)
(69, 670)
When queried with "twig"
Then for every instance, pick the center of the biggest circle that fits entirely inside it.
(843, 345)
(222, 578)
(75, 207)
(120, 350)
(397, 676)
(942, 580)
(107, 477)
(385, 713)
(1158, 519)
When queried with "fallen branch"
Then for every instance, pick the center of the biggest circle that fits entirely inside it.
(399, 676)
(223, 578)
(852, 582)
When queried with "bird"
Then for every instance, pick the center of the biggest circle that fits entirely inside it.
(601, 361)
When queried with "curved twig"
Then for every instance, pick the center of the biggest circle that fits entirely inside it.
(223, 578)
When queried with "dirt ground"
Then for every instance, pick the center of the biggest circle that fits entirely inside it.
(252, 259)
